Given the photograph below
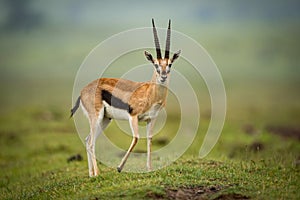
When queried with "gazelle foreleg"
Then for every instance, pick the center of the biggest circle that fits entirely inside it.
(150, 125)
(133, 122)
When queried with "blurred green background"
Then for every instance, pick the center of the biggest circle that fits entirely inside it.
(255, 45)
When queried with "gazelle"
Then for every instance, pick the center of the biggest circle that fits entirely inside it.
(111, 98)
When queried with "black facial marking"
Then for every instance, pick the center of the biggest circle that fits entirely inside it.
(115, 101)
(157, 68)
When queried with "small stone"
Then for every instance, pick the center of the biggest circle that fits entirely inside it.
(200, 191)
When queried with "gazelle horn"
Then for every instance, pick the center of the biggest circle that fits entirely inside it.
(157, 46)
(167, 51)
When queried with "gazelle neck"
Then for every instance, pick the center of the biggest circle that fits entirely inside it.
(153, 79)
(160, 89)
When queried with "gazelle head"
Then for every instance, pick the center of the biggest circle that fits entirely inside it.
(162, 65)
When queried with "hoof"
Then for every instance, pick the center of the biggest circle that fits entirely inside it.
(119, 169)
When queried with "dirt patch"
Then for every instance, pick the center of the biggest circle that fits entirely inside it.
(190, 193)
(194, 193)
(256, 146)
(284, 131)
(231, 196)
(73, 158)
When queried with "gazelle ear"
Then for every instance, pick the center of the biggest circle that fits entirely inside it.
(149, 56)
(175, 56)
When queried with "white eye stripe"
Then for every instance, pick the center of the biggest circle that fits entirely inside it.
(168, 69)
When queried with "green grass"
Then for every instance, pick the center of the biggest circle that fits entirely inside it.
(34, 165)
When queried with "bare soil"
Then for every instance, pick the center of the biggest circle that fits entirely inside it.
(284, 131)
(196, 193)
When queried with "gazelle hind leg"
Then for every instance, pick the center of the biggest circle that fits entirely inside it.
(89, 150)
(133, 122)
(95, 128)
(101, 126)
(89, 155)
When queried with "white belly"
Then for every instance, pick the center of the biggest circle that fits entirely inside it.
(120, 114)
(115, 113)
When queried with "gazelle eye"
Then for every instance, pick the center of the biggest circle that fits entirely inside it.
(157, 68)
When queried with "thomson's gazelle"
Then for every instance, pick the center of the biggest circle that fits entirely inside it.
(111, 98)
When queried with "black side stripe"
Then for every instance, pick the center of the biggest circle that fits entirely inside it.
(115, 101)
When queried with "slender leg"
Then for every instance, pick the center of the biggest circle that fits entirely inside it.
(96, 127)
(87, 142)
(89, 146)
(133, 122)
(150, 125)
(100, 128)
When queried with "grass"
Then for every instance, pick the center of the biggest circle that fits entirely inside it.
(34, 166)
(250, 160)
(70, 182)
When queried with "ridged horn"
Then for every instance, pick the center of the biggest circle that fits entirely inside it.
(156, 41)
(167, 51)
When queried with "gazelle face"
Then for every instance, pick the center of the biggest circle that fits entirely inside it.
(162, 66)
